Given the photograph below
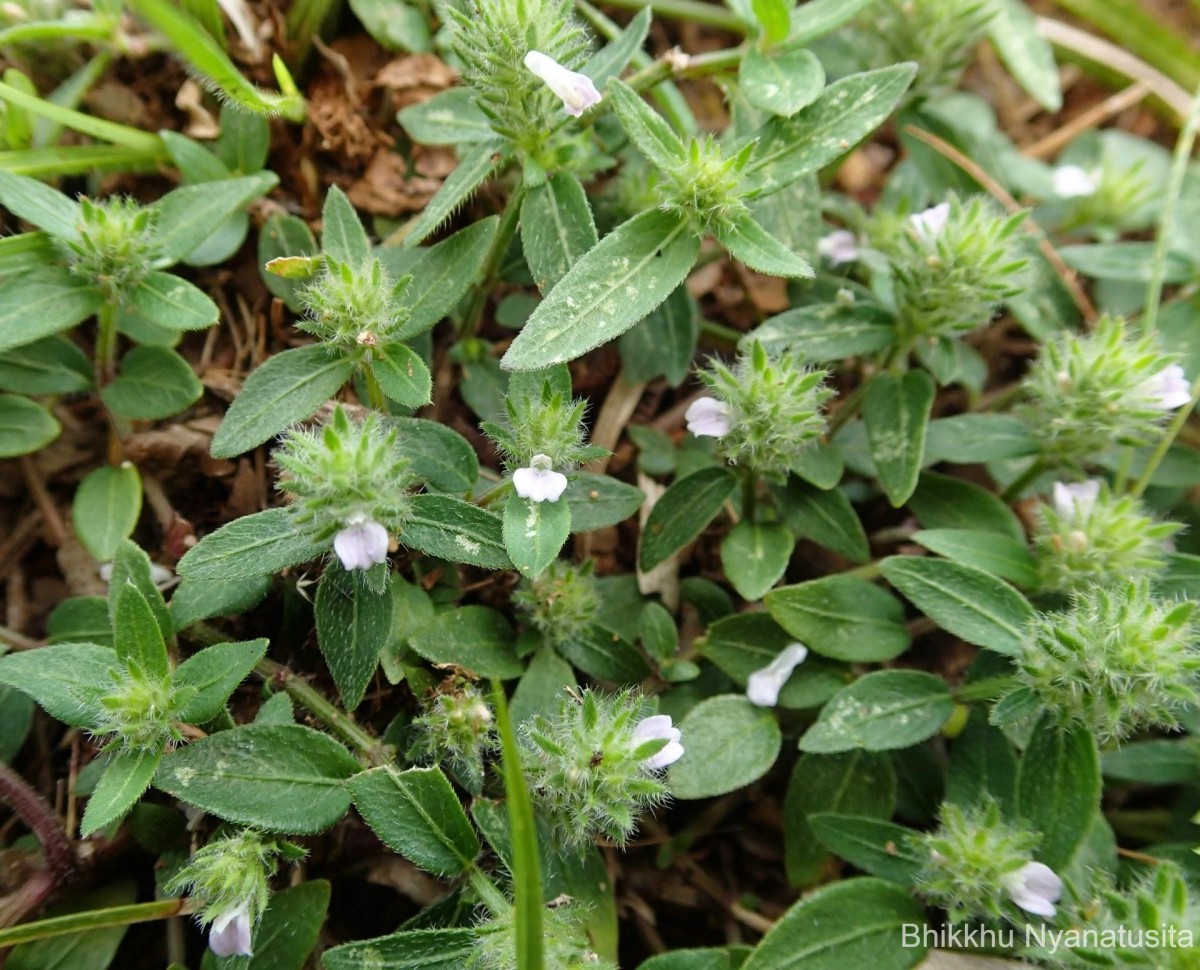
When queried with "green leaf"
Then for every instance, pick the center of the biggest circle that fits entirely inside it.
(457, 531)
(896, 413)
(1058, 789)
(816, 18)
(1162, 762)
(89, 949)
(963, 600)
(443, 273)
(106, 508)
(448, 118)
(750, 243)
(541, 685)
(606, 655)
(614, 57)
(475, 637)
(53, 365)
(534, 532)
(287, 388)
(173, 303)
(617, 283)
(742, 643)
(982, 765)
(188, 215)
(646, 128)
(882, 711)
(25, 426)
(942, 502)
(66, 679)
(402, 375)
(475, 166)
(827, 331)
(876, 846)
(214, 673)
(682, 513)
(842, 617)
(846, 112)
(277, 777)
(342, 234)
(1125, 262)
(289, 930)
(755, 557)
(664, 343)
(783, 81)
(989, 551)
(853, 782)
(247, 548)
(824, 516)
(353, 622)
(556, 228)
(41, 303)
(80, 619)
(775, 17)
(284, 235)
(131, 566)
(968, 438)
(598, 501)
(439, 456)
(197, 599)
(728, 743)
(417, 814)
(396, 27)
(136, 633)
(37, 203)
(414, 950)
(853, 923)
(154, 383)
(125, 779)
(16, 718)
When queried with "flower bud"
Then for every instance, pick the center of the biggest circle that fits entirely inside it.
(116, 246)
(455, 729)
(763, 686)
(838, 247)
(561, 603)
(354, 306)
(542, 432)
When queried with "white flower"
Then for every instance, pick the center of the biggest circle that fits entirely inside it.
(932, 221)
(1035, 888)
(659, 726)
(1073, 502)
(230, 933)
(538, 482)
(577, 91)
(1169, 388)
(840, 246)
(708, 417)
(362, 544)
(1073, 182)
(159, 575)
(763, 686)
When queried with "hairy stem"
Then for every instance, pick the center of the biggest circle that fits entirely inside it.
(1168, 439)
(708, 14)
(491, 265)
(94, 919)
(39, 816)
(1023, 481)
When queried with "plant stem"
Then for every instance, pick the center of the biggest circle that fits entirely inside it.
(39, 816)
(693, 11)
(93, 920)
(491, 265)
(488, 894)
(106, 343)
(1179, 166)
(701, 65)
(1168, 439)
(1022, 481)
(375, 396)
(308, 697)
(984, 690)
(848, 409)
(83, 123)
(868, 571)
(749, 495)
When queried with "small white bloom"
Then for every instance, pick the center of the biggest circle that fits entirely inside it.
(159, 575)
(840, 246)
(538, 482)
(230, 933)
(1035, 888)
(577, 91)
(1169, 387)
(1073, 502)
(932, 221)
(708, 417)
(1073, 182)
(652, 728)
(362, 544)
(763, 686)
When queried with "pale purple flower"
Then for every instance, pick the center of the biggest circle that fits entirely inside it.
(708, 417)
(839, 246)
(932, 221)
(577, 91)
(362, 544)
(1073, 182)
(1075, 501)
(653, 728)
(763, 686)
(1169, 388)
(538, 482)
(1035, 888)
(231, 932)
